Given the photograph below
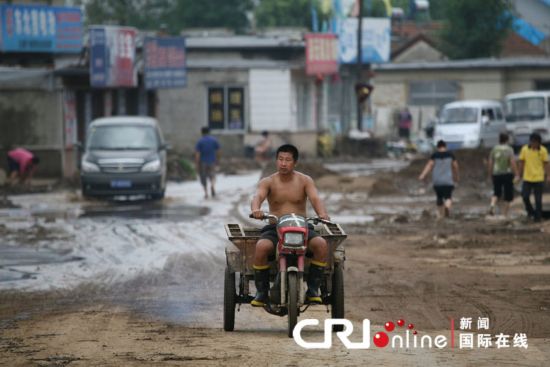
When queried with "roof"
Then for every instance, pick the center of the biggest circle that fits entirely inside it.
(473, 103)
(530, 93)
(420, 37)
(488, 63)
(243, 42)
(125, 120)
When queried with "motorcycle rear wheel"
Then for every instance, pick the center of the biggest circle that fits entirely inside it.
(337, 298)
(292, 302)
(229, 295)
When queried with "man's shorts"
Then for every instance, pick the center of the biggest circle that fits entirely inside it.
(504, 183)
(12, 165)
(207, 171)
(443, 193)
(269, 232)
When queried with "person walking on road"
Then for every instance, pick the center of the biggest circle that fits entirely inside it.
(21, 164)
(207, 156)
(444, 169)
(503, 171)
(262, 149)
(533, 164)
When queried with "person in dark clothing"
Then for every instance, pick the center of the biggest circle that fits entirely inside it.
(444, 169)
(207, 156)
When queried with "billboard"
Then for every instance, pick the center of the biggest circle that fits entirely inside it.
(112, 56)
(375, 41)
(165, 62)
(321, 54)
(40, 28)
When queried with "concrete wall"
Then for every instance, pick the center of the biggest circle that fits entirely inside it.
(34, 120)
(391, 91)
(182, 112)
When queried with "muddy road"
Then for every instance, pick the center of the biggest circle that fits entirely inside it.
(89, 283)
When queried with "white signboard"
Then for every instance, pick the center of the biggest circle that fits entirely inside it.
(376, 39)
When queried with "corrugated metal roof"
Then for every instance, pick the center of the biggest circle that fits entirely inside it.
(527, 62)
(244, 42)
(242, 64)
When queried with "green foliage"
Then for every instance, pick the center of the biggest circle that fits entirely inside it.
(210, 13)
(284, 13)
(175, 14)
(187, 168)
(475, 28)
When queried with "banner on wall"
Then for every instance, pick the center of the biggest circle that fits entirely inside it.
(112, 56)
(69, 117)
(165, 62)
(40, 28)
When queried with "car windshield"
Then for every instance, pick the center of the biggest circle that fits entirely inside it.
(459, 115)
(127, 137)
(530, 108)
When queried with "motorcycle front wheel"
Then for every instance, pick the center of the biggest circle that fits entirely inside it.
(292, 302)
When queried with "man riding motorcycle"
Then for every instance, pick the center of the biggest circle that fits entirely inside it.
(287, 192)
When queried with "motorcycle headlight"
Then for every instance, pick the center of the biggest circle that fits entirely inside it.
(294, 239)
(153, 166)
(89, 166)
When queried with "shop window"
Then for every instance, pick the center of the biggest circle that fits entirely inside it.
(226, 108)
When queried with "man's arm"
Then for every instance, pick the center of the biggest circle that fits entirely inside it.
(427, 168)
(197, 160)
(259, 197)
(315, 199)
(456, 177)
(515, 168)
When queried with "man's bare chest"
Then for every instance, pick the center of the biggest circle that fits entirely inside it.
(287, 194)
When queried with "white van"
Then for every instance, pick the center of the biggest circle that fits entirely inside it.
(526, 113)
(470, 124)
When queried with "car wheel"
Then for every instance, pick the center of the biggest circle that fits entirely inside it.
(158, 196)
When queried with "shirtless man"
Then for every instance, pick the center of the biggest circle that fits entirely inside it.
(287, 192)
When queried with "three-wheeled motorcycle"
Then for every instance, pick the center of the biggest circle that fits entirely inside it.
(288, 268)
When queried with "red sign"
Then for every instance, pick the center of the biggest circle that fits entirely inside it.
(321, 54)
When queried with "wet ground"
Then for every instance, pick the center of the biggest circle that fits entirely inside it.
(140, 283)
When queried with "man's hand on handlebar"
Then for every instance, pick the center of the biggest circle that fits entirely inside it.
(257, 214)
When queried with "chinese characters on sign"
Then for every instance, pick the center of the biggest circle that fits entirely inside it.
(38, 28)
(112, 55)
(164, 62)
(484, 340)
(321, 54)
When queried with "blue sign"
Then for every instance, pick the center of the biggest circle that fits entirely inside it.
(165, 62)
(38, 28)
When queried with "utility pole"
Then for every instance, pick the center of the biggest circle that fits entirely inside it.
(359, 63)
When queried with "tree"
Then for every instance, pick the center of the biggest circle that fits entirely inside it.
(284, 13)
(209, 14)
(145, 14)
(175, 14)
(475, 28)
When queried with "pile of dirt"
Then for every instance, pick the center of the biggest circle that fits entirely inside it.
(311, 168)
(345, 184)
(472, 165)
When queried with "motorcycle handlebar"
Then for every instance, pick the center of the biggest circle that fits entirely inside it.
(315, 219)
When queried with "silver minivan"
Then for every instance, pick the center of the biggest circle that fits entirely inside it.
(124, 155)
(527, 113)
(470, 124)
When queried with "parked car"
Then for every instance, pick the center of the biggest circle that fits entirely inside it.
(124, 155)
(526, 113)
(470, 124)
